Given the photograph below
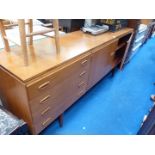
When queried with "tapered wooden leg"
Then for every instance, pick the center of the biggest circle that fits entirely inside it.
(21, 23)
(60, 119)
(113, 71)
(6, 43)
(30, 29)
(57, 41)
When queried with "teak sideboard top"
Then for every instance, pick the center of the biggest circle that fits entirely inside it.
(43, 55)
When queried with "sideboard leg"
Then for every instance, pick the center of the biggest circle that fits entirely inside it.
(60, 119)
(113, 72)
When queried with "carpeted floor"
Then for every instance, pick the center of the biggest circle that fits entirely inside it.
(116, 105)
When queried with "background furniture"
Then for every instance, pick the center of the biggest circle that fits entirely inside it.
(66, 25)
(149, 31)
(141, 27)
(70, 25)
(115, 24)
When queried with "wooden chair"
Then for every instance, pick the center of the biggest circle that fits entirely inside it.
(21, 23)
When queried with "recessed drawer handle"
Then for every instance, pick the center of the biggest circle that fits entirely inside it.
(44, 99)
(112, 54)
(46, 121)
(81, 84)
(84, 72)
(83, 62)
(43, 85)
(45, 111)
(81, 92)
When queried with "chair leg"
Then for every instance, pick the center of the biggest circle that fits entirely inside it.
(6, 43)
(30, 29)
(21, 23)
(60, 119)
(56, 29)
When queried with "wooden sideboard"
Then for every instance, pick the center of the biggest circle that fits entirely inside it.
(42, 91)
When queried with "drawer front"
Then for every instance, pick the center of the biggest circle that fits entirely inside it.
(72, 88)
(43, 120)
(47, 83)
(44, 117)
(50, 103)
(55, 96)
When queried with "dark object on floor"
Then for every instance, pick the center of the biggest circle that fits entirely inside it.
(148, 127)
(70, 25)
(10, 124)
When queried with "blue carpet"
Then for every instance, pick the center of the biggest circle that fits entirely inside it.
(116, 105)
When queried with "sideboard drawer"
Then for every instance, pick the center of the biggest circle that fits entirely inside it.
(46, 108)
(54, 97)
(47, 83)
(43, 118)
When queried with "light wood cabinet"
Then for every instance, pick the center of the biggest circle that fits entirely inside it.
(42, 91)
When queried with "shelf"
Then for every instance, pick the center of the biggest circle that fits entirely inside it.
(120, 52)
(121, 45)
(124, 39)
